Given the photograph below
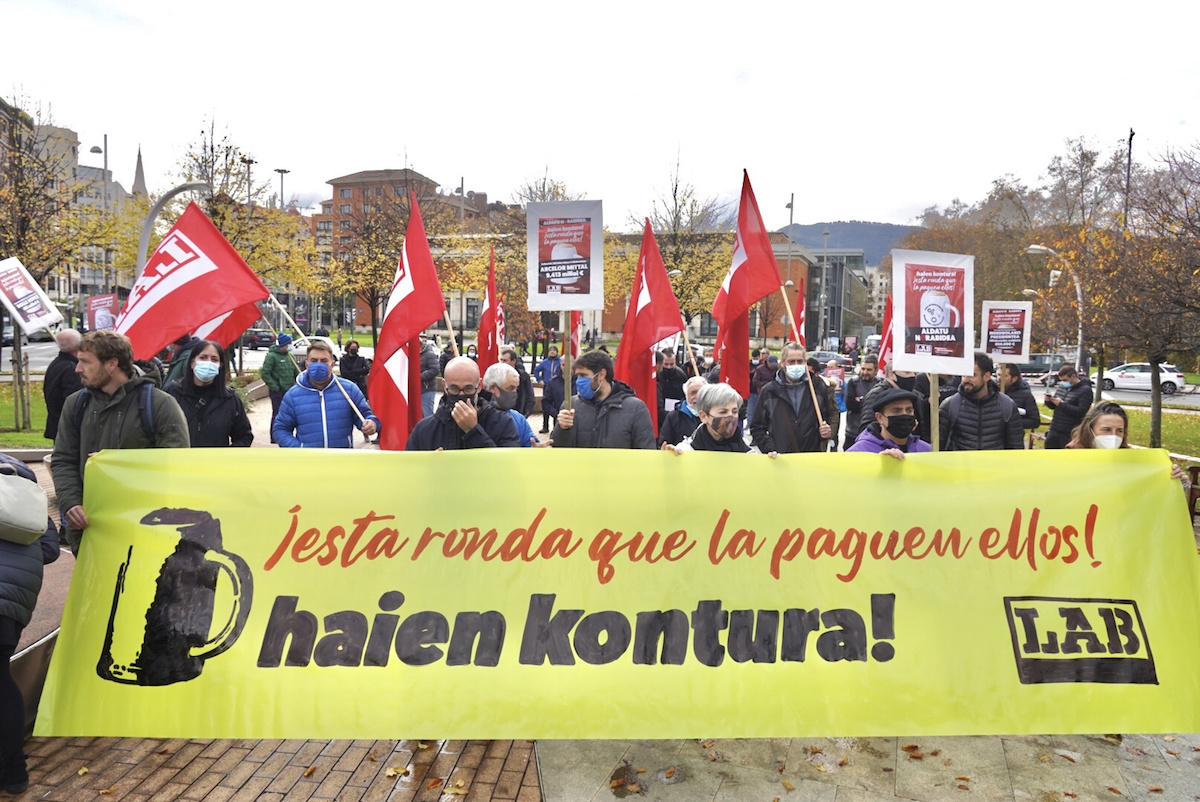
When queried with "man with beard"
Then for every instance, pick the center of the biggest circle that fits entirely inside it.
(670, 384)
(605, 413)
(857, 388)
(102, 415)
(979, 417)
(459, 421)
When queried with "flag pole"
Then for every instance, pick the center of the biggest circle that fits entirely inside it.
(791, 317)
(813, 391)
(934, 413)
(450, 328)
(688, 346)
(288, 317)
(564, 324)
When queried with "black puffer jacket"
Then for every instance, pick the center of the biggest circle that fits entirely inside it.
(621, 420)
(21, 566)
(1071, 408)
(61, 381)
(778, 427)
(494, 428)
(214, 421)
(990, 423)
(1020, 393)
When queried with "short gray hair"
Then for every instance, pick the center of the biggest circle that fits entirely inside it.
(715, 395)
(692, 382)
(498, 374)
(68, 340)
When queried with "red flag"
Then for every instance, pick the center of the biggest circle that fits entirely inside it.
(193, 277)
(501, 329)
(226, 328)
(415, 303)
(885, 344)
(800, 313)
(576, 322)
(487, 351)
(653, 315)
(752, 276)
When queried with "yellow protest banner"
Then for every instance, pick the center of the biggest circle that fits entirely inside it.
(613, 594)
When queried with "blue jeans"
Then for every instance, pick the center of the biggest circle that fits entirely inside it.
(427, 397)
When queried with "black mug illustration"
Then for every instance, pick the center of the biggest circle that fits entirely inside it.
(161, 633)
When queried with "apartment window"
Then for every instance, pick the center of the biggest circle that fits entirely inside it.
(473, 305)
(379, 192)
(708, 325)
(344, 208)
(345, 193)
(398, 191)
(324, 225)
(345, 224)
(368, 208)
(344, 240)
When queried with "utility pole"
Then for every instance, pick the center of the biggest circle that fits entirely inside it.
(282, 172)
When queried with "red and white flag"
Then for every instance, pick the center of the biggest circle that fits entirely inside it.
(576, 324)
(194, 281)
(885, 343)
(501, 328)
(415, 303)
(800, 313)
(653, 316)
(487, 350)
(752, 276)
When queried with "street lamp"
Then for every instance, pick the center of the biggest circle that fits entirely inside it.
(821, 337)
(1043, 250)
(282, 172)
(107, 271)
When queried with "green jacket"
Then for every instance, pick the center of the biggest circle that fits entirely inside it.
(109, 422)
(279, 370)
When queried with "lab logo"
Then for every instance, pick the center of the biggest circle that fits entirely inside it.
(165, 598)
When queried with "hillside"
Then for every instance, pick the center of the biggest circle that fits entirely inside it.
(877, 239)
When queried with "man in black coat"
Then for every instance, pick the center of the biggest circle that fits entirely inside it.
(525, 400)
(61, 379)
(785, 419)
(460, 421)
(1069, 407)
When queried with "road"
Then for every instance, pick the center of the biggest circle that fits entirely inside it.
(42, 354)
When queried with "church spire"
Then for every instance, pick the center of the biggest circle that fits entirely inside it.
(139, 177)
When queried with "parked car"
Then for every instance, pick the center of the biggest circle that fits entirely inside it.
(41, 336)
(1042, 368)
(8, 336)
(1137, 376)
(823, 357)
(299, 348)
(258, 338)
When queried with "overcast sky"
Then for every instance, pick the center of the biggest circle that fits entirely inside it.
(867, 111)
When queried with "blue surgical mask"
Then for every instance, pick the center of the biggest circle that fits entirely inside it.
(584, 388)
(206, 371)
(683, 406)
(318, 372)
(796, 372)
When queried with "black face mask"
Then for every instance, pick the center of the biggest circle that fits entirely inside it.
(901, 426)
(906, 382)
(450, 400)
(505, 399)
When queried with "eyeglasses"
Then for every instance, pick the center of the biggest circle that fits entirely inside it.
(470, 389)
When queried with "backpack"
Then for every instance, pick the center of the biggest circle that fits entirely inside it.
(145, 410)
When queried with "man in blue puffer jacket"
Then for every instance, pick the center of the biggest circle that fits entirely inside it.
(20, 582)
(317, 413)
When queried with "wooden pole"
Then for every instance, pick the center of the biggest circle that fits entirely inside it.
(934, 417)
(687, 345)
(813, 391)
(791, 318)
(565, 355)
(450, 328)
(288, 317)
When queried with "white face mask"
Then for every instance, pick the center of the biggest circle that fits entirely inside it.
(1108, 441)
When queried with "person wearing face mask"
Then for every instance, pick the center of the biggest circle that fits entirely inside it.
(322, 410)
(791, 408)
(548, 375)
(857, 388)
(894, 430)
(503, 383)
(680, 422)
(460, 420)
(718, 406)
(472, 354)
(605, 413)
(1069, 406)
(904, 380)
(1106, 426)
(215, 414)
(355, 368)
(670, 385)
(525, 397)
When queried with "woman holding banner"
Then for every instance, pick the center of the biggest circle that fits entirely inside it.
(1107, 426)
(215, 414)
